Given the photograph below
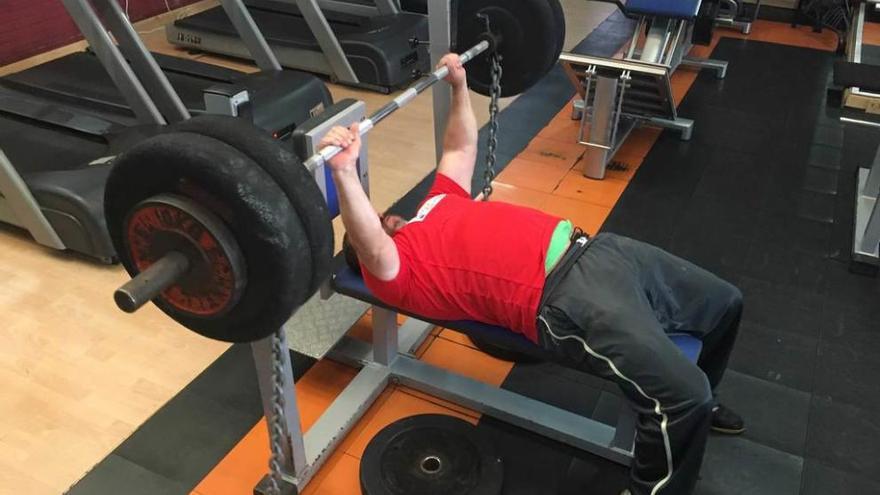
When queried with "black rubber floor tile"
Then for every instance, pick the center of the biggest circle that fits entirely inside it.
(821, 180)
(775, 415)
(784, 358)
(822, 156)
(722, 215)
(859, 293)
(781, 307)
(720, 127)
(116, 474)
(718, 251)
(848, 368)
(787, 266)
(820, 479)
(231, 381)
(840, 323)
(828, 136)
(738, 466)
(789, 230)
(844, 436)
(186, 438)
(561, 387)
(735, 176)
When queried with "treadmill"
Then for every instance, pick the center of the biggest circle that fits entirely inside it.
(62, 122)
(373, 45)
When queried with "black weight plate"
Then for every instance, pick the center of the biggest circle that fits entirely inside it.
(530, 34)
(431, 454)
(250, 204)
(288, 171)
(503, 353)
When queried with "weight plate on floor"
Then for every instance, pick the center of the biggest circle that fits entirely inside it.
(431, 454)
(261, 221)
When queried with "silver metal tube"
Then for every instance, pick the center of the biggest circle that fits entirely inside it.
(117, 67)
(439, 32)
(251, 35)
(322, 156)
(142, 62)
(151, 282)
(27, 211)
(327, 40)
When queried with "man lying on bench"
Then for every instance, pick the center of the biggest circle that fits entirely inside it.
(605, 304)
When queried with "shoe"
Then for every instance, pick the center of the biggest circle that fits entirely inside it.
(626, 492)
(726, 421)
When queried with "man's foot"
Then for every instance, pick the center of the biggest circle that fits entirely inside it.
(726, 421)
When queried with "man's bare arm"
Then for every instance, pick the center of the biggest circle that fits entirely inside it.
(460, 139)
(375, 248)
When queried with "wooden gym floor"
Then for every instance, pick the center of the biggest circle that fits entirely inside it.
(78, 377)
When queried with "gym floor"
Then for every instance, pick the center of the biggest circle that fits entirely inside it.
(762, 195)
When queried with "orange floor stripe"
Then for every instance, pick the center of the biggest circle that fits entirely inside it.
(545, 176)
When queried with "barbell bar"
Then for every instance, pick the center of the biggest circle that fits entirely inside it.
(325, 154)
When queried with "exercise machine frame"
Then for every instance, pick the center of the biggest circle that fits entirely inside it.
(618, 95)
(330, 59)
(866, 233)
(142, 83)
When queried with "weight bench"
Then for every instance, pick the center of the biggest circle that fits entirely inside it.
(617, 95)
(519, 410)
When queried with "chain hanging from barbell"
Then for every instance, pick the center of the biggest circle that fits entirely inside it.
(276, 422)
(492, 140)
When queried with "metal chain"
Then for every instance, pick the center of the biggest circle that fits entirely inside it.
(492, 141)
(276, 422)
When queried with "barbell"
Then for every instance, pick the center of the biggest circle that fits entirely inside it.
(227, 232)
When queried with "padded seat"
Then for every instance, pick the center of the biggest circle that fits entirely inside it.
(351, 284)
(679, 9)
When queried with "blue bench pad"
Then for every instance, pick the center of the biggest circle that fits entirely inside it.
(351, 284)
(679, 9)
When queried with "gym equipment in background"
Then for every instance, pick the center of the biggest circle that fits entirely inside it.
(738, 14)
(62, 122)
(617, 95)
(373, 44)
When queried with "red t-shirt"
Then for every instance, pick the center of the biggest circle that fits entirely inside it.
(462, 259)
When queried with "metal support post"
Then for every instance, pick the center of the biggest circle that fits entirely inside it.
(868, 211)
(24, 208)
(251, 35)
(330, 46)
(117, 67)
(295, 461)
(602, 112)
(384, 335)
(142, 62)
(439, 22)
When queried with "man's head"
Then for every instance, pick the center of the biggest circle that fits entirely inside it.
(391, 224)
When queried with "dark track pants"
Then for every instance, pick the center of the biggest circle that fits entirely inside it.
(609, 313)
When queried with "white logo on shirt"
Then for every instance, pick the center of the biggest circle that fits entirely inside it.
(427, 207)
